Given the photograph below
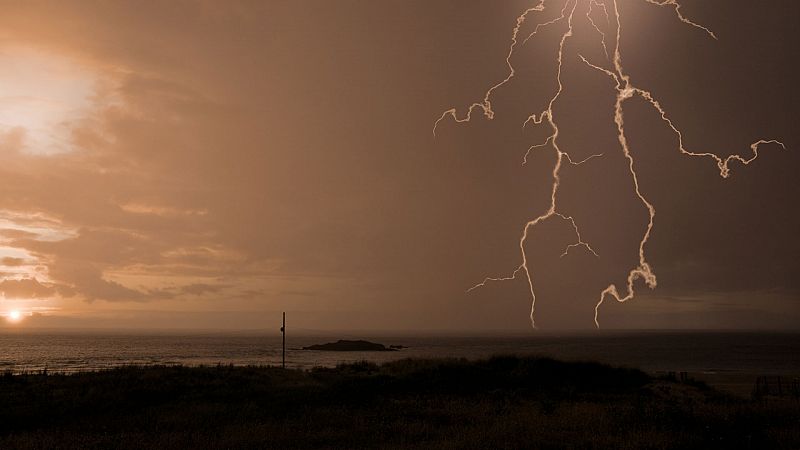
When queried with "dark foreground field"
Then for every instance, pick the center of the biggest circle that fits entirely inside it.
(505, 402)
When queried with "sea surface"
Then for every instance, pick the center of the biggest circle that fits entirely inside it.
(710, 353)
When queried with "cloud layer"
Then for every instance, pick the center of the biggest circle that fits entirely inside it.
(254, 157)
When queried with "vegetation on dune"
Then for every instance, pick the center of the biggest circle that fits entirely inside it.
(502, 402)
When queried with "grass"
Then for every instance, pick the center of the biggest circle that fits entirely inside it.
(502, 402)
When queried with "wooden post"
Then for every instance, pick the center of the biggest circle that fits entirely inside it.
(283, 331)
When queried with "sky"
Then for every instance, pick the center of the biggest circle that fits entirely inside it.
(207, 165)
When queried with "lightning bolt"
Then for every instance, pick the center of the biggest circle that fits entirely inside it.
(625, 90)
(486, 104)
(592, 4)
(681, 17)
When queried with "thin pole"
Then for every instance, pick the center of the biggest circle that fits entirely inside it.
(283, 331)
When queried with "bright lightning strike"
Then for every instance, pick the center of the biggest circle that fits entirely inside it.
(681, 17)
(625, 90)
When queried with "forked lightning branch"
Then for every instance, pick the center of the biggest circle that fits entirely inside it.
(609, 32)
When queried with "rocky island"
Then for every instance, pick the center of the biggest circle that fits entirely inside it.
(352, 346)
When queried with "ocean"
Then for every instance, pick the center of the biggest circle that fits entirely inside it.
(654, 352)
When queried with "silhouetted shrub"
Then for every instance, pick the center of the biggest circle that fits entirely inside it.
(501, 402)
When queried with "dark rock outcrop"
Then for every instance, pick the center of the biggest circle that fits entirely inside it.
(351, 346)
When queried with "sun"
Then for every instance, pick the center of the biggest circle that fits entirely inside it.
(14, 316)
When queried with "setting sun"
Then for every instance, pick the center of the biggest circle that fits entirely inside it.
(14, 316)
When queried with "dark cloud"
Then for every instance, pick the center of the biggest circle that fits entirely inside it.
(203, 288)
(17, 234)
(25, 288)
(87, 280)
(12, 262)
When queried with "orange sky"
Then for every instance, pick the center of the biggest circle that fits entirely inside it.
(204, 164)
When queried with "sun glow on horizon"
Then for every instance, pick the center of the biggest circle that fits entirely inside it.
(14, 316)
